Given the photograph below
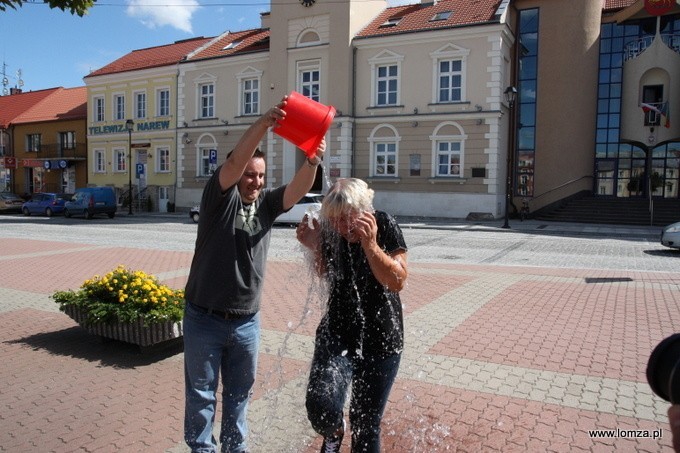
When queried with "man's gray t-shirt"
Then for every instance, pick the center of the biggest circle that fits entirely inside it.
(231, 248)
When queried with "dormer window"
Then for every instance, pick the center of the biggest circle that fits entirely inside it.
(232, 45)
(443, 15)
(392, 22)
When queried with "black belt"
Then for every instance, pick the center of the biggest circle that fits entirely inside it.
(218, 313)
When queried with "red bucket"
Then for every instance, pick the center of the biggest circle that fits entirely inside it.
(306, 122)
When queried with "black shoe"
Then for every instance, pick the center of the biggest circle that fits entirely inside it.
(332, 444)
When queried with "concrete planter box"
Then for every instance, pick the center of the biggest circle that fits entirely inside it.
(134, 332)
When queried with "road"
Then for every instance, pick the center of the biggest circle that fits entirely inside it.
(455, 243)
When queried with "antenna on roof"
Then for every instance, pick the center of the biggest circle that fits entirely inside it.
(5, 81)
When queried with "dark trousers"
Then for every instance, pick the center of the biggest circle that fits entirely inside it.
(329, 381)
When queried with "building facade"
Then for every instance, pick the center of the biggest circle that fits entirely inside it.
(132, 125)
(43, 141)
(419, 93)
(595, 106)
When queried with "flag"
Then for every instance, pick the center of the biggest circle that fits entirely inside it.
(663, 111)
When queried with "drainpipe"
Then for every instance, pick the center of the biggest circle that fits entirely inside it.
(353, 110)
(174, 189)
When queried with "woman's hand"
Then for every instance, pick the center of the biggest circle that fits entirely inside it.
(366, 230)
(307, 236)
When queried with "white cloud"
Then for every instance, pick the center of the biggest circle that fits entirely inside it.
(159, 13)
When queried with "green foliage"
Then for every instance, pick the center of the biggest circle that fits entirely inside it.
(124, 296)
(78, 7)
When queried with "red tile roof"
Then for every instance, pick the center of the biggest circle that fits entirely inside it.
(418, 17)
(152, 57)
(15, 104)
(256, 40)
(63, 104)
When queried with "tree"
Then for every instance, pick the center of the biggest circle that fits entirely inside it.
(78, 7)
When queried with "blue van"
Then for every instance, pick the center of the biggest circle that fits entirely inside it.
(89, 201)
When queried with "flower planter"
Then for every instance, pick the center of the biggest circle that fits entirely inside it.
(134, 332)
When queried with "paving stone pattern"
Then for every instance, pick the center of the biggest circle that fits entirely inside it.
(498, 358)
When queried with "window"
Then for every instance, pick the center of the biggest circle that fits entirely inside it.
(163, 160)
(308, 38)
(448, 158)
(309, 77)
(99, 161)
(163, 102)
(385, 159)
(33, 143)
(387, 85)
(251, 97)
(67, 140)
(119, 107)
(204, 164)
(527, 96)
(207, 100)
(98, 109)
(652, 104)
(391, 22)
(384, 146)
(450, 81)
(140, 105)
(443, 15)
(385, 74)
(232, 45)
(448, 74)
(120, 160)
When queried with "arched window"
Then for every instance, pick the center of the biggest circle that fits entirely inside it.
(206, 146)
(384, 143)
(448, 150)
(308, 38)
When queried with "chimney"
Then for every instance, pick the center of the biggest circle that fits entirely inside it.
(14, 91)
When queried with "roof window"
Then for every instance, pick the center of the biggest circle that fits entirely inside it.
(442, 15)
(232, 45)
(391, 22)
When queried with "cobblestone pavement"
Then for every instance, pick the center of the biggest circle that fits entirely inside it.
(523, 341)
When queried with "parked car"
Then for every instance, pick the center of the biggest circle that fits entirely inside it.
(90, 201)
(311, 201)
(670, 236)
(10, 202)
(46, 203)
(193, 213)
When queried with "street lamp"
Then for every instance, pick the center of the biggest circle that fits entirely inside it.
(510, 96)
(129, 124)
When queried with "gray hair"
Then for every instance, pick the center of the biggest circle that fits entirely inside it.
(347, 195)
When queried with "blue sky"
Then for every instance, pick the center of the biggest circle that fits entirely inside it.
(52, 48)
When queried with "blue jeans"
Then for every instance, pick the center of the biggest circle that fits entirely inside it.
(329, 380)
(211, 345)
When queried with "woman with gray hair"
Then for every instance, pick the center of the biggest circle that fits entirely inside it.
(362, 255)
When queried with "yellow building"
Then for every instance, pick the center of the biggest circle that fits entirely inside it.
(131, 125)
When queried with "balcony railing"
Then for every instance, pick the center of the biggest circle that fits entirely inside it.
(56, 151)
(633, 49)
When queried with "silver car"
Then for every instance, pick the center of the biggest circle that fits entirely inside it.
(670, 236)
(10, 202)
(309, 203)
